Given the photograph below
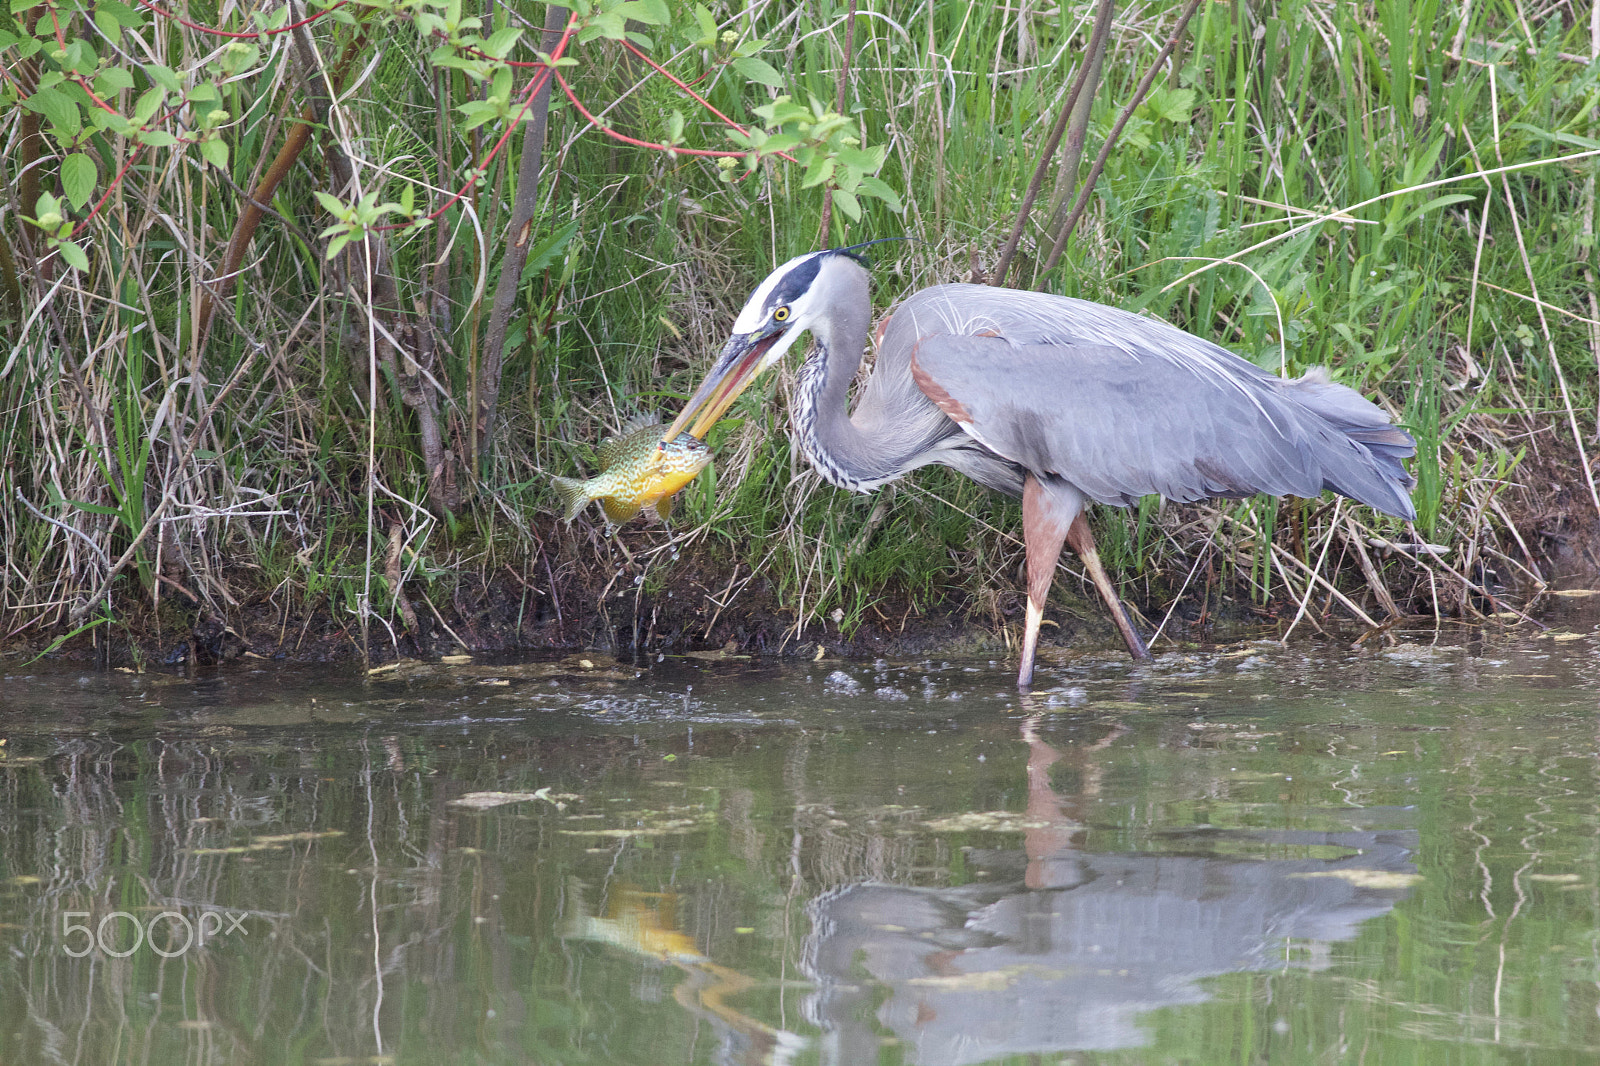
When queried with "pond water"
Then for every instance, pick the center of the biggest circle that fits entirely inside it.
(1249, 854)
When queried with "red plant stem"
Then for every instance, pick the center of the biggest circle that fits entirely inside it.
(674, 79)
(534, 84)
(625, 139)
(111, 187)
(664, 72)
(77, 79)
(545, 73)
(213, 31)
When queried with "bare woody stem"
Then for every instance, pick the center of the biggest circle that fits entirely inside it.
(1077, 133)
(255, 207)
(1082, 201)
(839, 101)
(1097, 39)
(393, 329)
(486, 397)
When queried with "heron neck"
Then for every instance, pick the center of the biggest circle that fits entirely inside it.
(834, 443)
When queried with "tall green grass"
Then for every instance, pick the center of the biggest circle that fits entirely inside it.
(1266, 116)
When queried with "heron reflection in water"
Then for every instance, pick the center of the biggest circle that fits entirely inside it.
(1056, 400)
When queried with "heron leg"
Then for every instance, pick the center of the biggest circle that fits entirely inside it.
(1080, 540)
(1045, 522)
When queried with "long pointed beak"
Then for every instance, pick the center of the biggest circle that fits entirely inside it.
(737, 366)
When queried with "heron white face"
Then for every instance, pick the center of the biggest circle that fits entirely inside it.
(774, 316)
(783, 287)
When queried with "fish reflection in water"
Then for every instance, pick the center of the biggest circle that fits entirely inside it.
(1063, 949)
(645, 924)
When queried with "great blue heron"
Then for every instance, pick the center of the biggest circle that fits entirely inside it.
(1057, 400)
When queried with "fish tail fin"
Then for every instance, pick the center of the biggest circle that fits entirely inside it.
(616, 511)
(573, 495)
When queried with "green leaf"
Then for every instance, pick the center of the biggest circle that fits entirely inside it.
(759, 71)
(95, 508)
(847, 203)
(477, 112)
(502, 41)
(106, 121)
(331, 204)
(163, 76)
(1432, 205)
(57, 109)
(74, 256)
(112, 79)
(708, 27)
(148, 104)
(78, 176)
(122, 13)
(868, 159)
(156, 138)
(606, 24)
(81, 58)
(820, 170)
(781, 110)
(1560, 138)
(877, 187)
(649, 12)
(501, 86)
(543, 254)
(1172, 105)
(215, 151)
(781, 142)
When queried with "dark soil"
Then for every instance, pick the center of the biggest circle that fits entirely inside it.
(580, 591)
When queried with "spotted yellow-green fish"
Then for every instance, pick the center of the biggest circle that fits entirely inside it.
(633, 475)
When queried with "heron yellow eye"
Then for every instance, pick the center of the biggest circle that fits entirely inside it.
(781, 315)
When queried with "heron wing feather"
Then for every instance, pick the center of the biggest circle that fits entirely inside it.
(1120, 423)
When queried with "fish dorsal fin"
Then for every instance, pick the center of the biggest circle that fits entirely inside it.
(607, 451)
(636, 422)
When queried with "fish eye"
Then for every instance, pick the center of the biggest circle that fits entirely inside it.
(781, 314)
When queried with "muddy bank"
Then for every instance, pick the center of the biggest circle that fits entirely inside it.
(582, 591)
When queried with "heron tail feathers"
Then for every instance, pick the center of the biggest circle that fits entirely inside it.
(1349, 410)
(1384, 483)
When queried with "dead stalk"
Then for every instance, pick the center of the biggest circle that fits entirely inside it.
(1088, 77)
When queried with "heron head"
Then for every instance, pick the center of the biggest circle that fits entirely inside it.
(785, 305)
